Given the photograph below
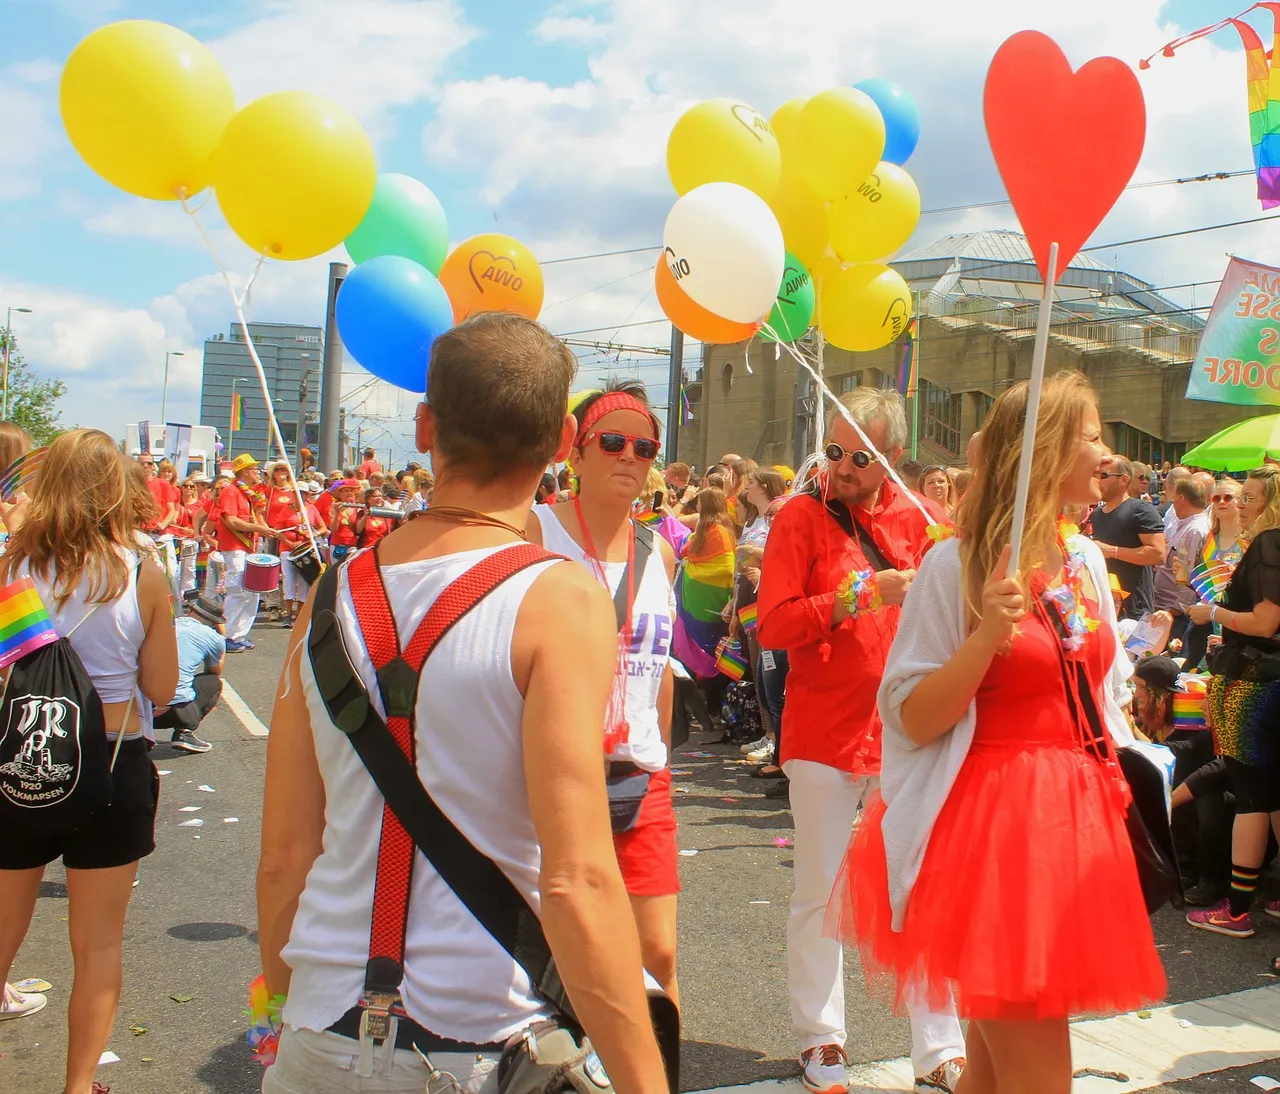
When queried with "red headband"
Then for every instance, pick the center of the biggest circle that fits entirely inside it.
(607, 404)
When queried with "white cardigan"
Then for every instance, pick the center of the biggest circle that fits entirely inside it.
(915, 781)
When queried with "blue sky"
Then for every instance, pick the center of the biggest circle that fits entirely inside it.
(548, 121)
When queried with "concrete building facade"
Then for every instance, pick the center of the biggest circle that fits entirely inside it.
(977, 297)
(292, 358)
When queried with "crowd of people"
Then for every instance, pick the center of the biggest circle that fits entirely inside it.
(949, 735)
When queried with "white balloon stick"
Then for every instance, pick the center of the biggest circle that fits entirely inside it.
(1038, 355)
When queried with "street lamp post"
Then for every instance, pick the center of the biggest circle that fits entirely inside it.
(164, 390)
(231, 430)
(8, 337)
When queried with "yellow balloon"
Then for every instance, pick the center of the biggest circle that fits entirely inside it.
(877, 218)
(802, 216)
(864, 307)
(841, 139)
(785, 124)
(723, 140)
(145, 105)
(827, 264)
(294, 174)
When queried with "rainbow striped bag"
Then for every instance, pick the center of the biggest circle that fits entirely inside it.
(55, 762)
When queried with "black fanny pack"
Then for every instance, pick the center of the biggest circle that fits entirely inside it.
(627, 785)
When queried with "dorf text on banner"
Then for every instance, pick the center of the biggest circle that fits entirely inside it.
(1238, 360)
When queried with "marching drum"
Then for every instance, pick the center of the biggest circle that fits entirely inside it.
(261, 573)
(305, 561)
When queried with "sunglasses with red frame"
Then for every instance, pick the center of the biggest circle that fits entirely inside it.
(645, 448)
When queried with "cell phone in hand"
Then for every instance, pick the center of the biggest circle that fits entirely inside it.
(657, 500)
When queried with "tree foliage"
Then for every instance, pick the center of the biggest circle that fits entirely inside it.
(33, 402)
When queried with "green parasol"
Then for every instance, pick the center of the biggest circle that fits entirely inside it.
(1239, 447)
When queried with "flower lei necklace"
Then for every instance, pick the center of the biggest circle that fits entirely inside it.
(1068, 598)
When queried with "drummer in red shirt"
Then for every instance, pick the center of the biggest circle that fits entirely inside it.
(372, 528)
(838, 563)
(293, 534)
(237, 521)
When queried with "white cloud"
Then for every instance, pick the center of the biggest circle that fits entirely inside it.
(573, 29)
(27, 122)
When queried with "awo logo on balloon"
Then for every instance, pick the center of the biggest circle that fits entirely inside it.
(870, 189)
(492, 273)
(896, 317)
(754, 123)
(679, 267)
(793, 280)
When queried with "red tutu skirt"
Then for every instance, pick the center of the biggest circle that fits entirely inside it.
(1027, 905)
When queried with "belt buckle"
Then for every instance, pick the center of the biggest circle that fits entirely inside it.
(375, 1022)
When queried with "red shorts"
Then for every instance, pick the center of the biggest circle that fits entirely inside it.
(647, 853)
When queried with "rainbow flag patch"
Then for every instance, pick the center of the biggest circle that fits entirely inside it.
(747, 616)
(25, 625)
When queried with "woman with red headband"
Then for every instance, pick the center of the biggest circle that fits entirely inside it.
(617, 444)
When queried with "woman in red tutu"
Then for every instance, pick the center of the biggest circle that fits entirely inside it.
(1001, 829)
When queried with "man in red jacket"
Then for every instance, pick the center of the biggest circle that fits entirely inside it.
(838, 563)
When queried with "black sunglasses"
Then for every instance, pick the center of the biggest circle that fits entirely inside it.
(645, 448)
(1110, 475)
(835, 454)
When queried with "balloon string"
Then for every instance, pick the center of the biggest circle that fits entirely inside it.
(844, 413)
(238, 302)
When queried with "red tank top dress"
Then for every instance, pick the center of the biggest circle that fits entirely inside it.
(1028, 904)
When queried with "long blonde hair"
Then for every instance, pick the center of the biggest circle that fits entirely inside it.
(1269, 518)
(82, 514)
(984, 520)
(1215, 523)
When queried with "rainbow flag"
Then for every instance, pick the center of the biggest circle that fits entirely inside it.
(908, 362)
(729, 659)
(1188, 710)
(1210, 576)
(684, 402)
(237, 411)
(25, 625)
(647, 517)
(705, 586)
(20, 472)
(747, 616)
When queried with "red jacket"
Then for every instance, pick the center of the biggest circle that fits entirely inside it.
(830, 714)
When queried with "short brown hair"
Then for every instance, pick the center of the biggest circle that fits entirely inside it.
(679, 472)
(498, 385)
(1192, 489)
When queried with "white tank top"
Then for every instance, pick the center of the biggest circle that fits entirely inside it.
(458, 981)
(652, 617)
(107, 638)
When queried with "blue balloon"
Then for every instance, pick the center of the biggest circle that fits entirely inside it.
(389, 311)
(901, 118)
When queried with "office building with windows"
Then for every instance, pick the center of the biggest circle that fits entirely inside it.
(977, 296)
(292, 358)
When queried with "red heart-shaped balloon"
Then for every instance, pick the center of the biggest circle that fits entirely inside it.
(1066, 143)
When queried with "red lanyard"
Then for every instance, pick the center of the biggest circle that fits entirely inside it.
(619, 730)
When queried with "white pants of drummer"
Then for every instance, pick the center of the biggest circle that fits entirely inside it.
(292, 585)
(241, 606)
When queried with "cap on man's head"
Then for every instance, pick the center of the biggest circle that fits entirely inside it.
(313, 487)
(1158, 672)
(208, 609)
(243, 462)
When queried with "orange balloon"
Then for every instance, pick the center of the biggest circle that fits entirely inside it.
(492, 272)
(693, 319)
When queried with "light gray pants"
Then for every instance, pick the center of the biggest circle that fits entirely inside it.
(327, 1063)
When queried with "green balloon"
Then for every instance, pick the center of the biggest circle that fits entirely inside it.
(405, 219)
(793, 310)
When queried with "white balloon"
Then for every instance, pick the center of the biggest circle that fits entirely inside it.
(724, 248)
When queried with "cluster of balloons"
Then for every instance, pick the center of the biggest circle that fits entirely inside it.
(150, 109)
(787, 222)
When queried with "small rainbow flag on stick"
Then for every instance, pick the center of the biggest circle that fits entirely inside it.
(729, 659)
(748, 615)
(25, 625)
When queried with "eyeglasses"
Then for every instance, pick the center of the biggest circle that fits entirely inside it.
(1110, 475)
(835, 454)
(1223, 497)
(645, 448)
(1249, 499)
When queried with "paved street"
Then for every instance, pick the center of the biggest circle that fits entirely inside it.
(191, 949)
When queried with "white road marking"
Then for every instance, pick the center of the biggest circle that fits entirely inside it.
(1176, 1042)
(241, 710)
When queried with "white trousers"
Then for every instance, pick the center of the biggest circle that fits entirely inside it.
(824, 805)
(241, 607)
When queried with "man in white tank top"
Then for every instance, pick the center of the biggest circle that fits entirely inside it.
(507, 733)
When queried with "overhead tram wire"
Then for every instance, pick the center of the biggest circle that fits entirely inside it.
(1213, 176)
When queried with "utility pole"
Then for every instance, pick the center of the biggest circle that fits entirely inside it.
(164, 390)
(675, 394)
(331, 377)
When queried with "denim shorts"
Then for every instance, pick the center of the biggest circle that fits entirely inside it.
(326, 1063)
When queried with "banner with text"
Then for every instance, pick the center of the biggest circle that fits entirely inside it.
(1238, 360)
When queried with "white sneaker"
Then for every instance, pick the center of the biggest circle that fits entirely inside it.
(762, 755)
(943, 1079)
(825, 1070)
(18, 1004)
(753, 745)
